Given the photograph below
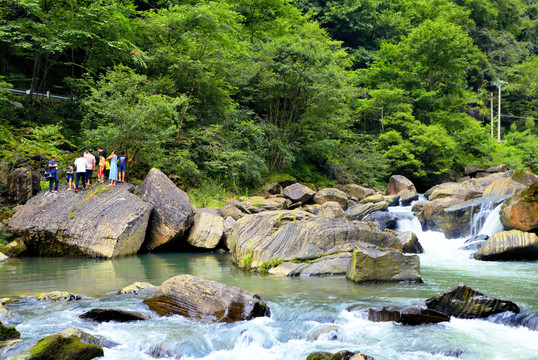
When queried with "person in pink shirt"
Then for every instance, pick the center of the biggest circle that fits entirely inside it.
(91, 165)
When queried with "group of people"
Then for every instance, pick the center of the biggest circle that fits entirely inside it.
(112, 167)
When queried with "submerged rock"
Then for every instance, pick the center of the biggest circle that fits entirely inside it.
(172, 213)
(520, 212)
(136, 287)
(509, 245)
(341, 355)
(207, 230)
(209, 301)
(106, 315)
(58, 296)
(464, 302)
(101, 222)
(370, 265)
(58, 347)
(411, 315)
(298, 235)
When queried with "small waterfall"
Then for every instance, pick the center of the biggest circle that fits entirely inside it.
(492, 225)
(479, 218)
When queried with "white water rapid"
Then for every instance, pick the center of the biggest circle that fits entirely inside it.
(308, 314)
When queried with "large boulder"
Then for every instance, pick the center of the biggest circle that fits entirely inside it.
(509, 245)
(298, 193)
(330, 209)
(503, 186)
(521, 211)
(61, 347)
(458, 191)
(411, 315)
(427, 212)
(22, 184)
(207, 230)
(172, 214)
(463, 302)
(209, 301)
(103, 222)
(8, 333)
(300, 236)
(371, 265)
(398, 185)
(356, 191)
(457, 221)
(331, 194)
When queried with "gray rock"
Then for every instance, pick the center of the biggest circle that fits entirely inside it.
(330, 209)
(87, 338)
(102, 222)
(207, 230)
(408, 197)
(371, 265)
(106, 315)
(411, 315)
(231, 211)
(272, 188)
(329, 265)
(289, 235)
(298, 193)
(229, 224)
(172, 214)
(356, 191)
(331, 194)
(58, 296)
(360, 211)
(136, 287)
(399, 184)
(22, 184)
(209, 301)
(410, 243)
(509, 245)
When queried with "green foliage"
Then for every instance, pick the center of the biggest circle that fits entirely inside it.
(263, 269)
(246, 262)
(209, 194)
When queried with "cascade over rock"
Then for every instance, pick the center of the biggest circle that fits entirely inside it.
(209, 301)
(371, 265)
(298, 235)
(102, 222)
(172, 213)
(207, 230)
(398, 185)
(463, 302)
(521, 211)
(509, 245)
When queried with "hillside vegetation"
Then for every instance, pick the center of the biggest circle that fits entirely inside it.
(229, 92)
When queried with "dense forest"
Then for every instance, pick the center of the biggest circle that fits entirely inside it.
(231, 92)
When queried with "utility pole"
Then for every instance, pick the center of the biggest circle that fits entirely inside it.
(491, 106)
(499, 84)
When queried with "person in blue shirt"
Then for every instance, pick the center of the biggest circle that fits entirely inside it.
(53, 168)
(70, 177)
(122, 166)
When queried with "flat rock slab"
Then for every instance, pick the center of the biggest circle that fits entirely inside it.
(298, 235)
(172, 214)
(509, 245)
(412, 315)
(106, 315)
(464, 302)
(206, 300)
(103, 222)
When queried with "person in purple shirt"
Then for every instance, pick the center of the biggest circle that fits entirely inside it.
(53, 168)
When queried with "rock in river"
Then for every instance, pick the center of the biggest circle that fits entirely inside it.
(62, 347)
(509, 245)
(8, 333)
(411, 315)
(341, 355)
(172, 213)
(101, 222)
(298, 235)
(106, 315)
(370, 265)
(206, 300)
(207, 230)
(521, 211)
(464, 302)
(136, 287)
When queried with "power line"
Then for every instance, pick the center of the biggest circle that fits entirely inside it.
(519, 117)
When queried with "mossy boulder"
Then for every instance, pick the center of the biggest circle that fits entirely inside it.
(371, 265)
(136, 287)
(58, 296)
(58, 347)
(464, 302)
(8, 332)
(341, 355)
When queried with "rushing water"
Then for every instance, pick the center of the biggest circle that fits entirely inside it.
(308, 314)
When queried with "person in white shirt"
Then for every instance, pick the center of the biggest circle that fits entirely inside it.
(81, 164)
(91, 165)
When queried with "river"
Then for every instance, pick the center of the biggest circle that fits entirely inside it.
(307, 314)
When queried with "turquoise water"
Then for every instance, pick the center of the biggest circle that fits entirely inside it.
(308, 313)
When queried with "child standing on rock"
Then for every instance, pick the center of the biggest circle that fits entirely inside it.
(70, 176)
